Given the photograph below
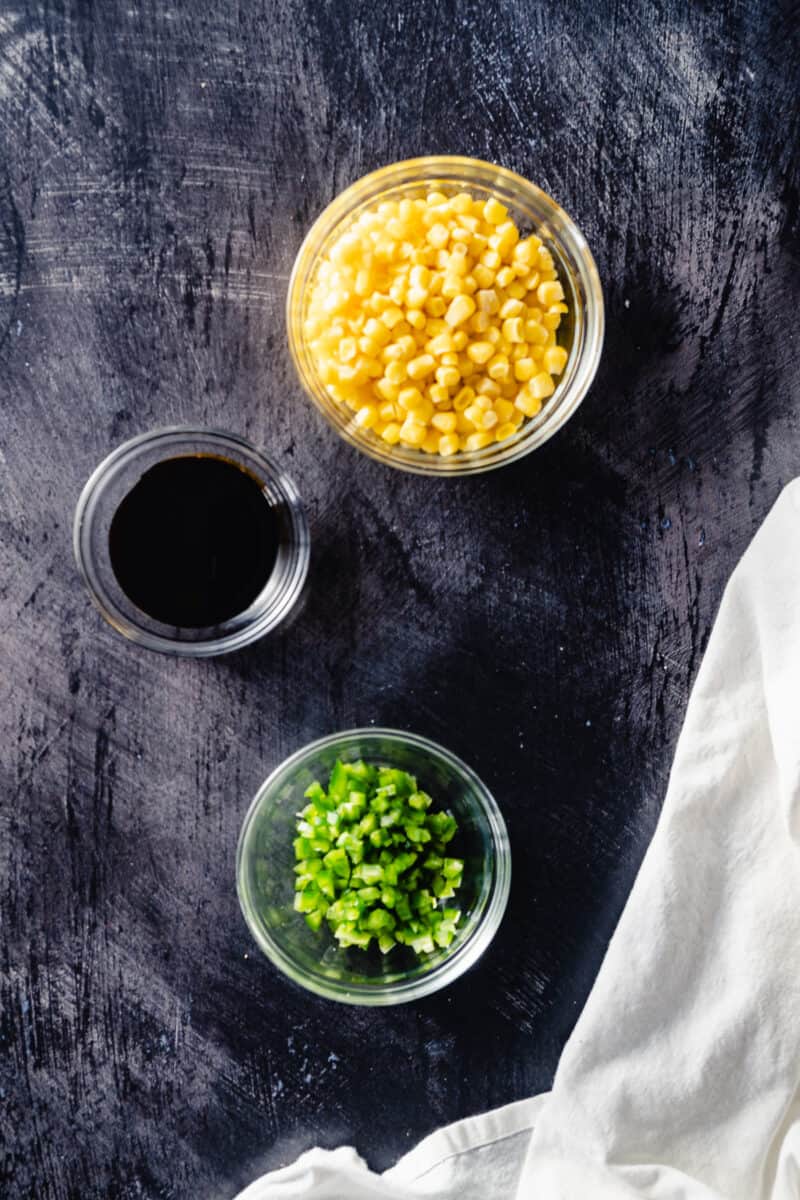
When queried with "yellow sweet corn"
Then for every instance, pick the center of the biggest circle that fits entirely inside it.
(444, 421)
(542, 386)
(461, 308)
(480, 352)
(434, 323)
(554, 359)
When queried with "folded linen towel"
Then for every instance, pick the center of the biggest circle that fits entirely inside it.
(681, 1080)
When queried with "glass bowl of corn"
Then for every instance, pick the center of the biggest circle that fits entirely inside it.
(445, 316)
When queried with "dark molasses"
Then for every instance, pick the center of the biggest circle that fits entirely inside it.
(194, 542)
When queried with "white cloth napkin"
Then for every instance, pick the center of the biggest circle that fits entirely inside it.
(681, 1080)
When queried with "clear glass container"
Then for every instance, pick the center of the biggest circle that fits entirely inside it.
(265, 878)
(581, 332)
(114, 478)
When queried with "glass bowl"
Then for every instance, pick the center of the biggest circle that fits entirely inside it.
(114, 478)
(265, 879)
(581, 333)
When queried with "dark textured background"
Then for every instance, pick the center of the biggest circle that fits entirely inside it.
(159, 165)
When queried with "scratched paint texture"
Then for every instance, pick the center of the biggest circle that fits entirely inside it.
(159, 165)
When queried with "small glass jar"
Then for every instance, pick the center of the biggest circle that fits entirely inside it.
(265, 875)
(581, 332)
(118, 474)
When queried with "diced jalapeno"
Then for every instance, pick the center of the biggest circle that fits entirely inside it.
(359, 866)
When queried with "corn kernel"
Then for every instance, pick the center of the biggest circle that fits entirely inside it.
(449, 444)
(462, 203)
(526, 250)
(347, 250)
(419, 367)
(396, 372)
(474, 413)
(490, 259)
(527, 404)
(347, 349)
(511, 308)
(410, 398)
(554, 359)
(512, 329)
(516, 291)
(494, 212)
(480, 352)
(506, 430)
(391, 433)
(451, 287)
(448, 377)
(480, 322)
(439, 395)
(508, 236)
(504, 409)
(483, 276)
(505, 276)
(434, 326)
(549, 293)
(419, 276)
(416, 296)
(388, 411)
(445, 422)
(412, 431)
(366, 416)
(460, 262)
(460, 339)
(490, 419)
(463, 399)
(386, 389)
(488, 388)
(488, 301)
(415, 318)
(478, 441)
(377, 331)
(535, 334)
(499, 368)
(542, 386)
(461, 308)
(435, 307)
(524, 369)
(438, 235)
(551, 321)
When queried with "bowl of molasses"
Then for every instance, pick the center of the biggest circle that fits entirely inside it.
(192, 541)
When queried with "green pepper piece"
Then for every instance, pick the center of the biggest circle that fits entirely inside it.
(338, 862)
(378, 920)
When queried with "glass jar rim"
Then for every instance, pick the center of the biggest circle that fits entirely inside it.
(453, 965)
(571, 249)
(97, 503)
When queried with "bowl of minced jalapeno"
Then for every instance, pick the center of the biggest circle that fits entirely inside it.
(373, 867)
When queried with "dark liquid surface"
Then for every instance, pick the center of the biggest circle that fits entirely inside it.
(194, 542)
